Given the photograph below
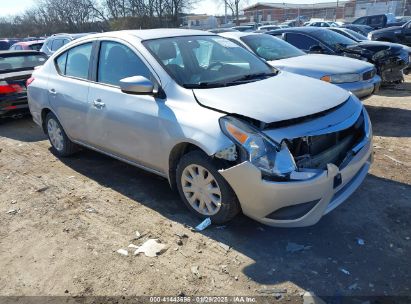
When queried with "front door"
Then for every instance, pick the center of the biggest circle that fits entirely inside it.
(121, 124)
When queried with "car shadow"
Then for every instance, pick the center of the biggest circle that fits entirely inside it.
(333, 262)
(389, 122)
(22, 129)
(395, 90)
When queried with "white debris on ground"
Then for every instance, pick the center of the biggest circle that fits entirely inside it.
(151, 248)
(122, 252)
(203, 225)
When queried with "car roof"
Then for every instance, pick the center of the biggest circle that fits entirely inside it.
(303, 29)
(237, 35)
(29, 42)
(154, 33)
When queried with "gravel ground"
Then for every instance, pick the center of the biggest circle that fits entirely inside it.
(73, 214)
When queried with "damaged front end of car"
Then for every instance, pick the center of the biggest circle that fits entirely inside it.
(298, 170)
(390, 61)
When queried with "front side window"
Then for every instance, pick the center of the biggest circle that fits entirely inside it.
(117, 61)
(205, 61)
(75, 62)
(271, 48)
(300, 41)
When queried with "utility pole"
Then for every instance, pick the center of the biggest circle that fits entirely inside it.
(336, 12)
(225, 11)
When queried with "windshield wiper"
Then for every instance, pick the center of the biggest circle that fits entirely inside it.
(254, 76)
(219, 84)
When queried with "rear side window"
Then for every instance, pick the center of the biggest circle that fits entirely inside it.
(56, 44)
(75, 62)
(36, 46)
(117, 61)
(303, 42)
(18, 47)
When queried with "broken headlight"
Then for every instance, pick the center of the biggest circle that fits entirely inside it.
(272, 158)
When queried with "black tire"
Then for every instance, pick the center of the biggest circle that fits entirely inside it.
(69, 147)
(230, 206)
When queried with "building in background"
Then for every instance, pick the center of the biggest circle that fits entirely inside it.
(347, 10)
(199, 22)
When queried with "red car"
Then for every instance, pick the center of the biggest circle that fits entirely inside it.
(34, 45)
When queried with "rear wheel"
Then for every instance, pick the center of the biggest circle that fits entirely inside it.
(202, 188)
(61, 144)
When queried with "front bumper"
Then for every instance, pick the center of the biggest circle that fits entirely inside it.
(363, 89)
(260, 198)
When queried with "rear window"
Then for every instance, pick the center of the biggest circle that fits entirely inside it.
(36, 46)
(15, 62)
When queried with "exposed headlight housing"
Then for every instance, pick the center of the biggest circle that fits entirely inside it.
(342, 78)
(273, 159)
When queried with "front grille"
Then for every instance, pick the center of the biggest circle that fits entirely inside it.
(369, 74)
(315, 152)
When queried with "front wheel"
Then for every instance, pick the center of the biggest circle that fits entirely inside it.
(204, 191)
(61, 144)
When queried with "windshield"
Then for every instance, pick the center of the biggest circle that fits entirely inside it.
(271, 48)
(16, 62)
(356, 35)
(333, 39)
(207, 61)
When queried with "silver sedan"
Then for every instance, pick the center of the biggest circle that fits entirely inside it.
(356, 76)
(230, 133)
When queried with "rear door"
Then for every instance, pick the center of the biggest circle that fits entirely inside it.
(68, 89)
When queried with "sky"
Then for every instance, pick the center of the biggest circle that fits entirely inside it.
(211, 7)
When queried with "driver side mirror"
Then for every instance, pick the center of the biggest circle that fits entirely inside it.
(317, 49)
(137, 85)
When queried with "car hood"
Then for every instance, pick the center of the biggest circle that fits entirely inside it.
(282, 97)
(319, 65)
(377, 46)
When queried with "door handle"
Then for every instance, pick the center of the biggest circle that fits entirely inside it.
(98, 104)
(52, 92)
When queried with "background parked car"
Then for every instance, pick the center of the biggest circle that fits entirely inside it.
(350, 74)
(359, 38)
(359, 28)
(378, 21)
(53, 43)
(244, 28)
(5, 44)
(34, 45)
(397, 34)
(390, 60)
(322, 24)
(16, 68)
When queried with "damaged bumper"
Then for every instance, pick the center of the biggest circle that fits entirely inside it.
(298, 203)
(363, 89)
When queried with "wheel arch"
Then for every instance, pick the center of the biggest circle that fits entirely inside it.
(176, 153)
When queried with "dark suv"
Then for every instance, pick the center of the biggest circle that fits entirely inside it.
(378, 21)
(54, 42)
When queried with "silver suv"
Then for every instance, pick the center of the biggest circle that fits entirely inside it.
(228, 131)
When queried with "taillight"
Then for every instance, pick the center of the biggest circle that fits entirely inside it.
(6, 88)
(29, 81)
